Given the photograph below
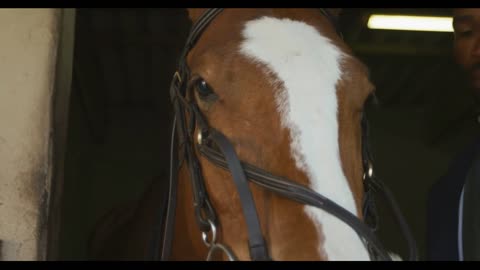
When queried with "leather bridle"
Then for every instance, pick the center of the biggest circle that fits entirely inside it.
(217, 149)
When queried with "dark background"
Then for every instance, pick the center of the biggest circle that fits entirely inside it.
(119, 121)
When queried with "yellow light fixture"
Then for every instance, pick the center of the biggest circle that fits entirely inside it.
(410, 23)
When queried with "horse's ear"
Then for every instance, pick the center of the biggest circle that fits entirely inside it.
(194, 13)
(335, 12)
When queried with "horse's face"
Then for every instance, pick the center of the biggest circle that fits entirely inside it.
(285, 90)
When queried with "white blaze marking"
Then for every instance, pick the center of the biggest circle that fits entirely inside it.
(307, 64)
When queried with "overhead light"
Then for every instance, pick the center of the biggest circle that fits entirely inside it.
(410, 23)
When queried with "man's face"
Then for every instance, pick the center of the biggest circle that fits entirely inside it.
(466, 23)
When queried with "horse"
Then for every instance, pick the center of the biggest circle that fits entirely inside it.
(269, 149)
(272, 162)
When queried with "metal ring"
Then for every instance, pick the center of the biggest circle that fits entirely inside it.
(213, 229)
(231, 257)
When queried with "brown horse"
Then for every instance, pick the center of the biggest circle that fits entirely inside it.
(287, 92)
(282, 91)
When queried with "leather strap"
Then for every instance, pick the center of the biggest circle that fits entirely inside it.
(258, 249)
(168, 234)
(301, 194)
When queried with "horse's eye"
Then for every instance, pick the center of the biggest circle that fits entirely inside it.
(203, 89)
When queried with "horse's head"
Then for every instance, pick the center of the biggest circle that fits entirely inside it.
(286, 91)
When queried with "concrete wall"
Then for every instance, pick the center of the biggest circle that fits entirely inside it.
(28, 48)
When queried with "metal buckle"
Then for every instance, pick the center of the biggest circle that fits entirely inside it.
(212, 229)
(177, 76)
(177, 80)
(199, 138)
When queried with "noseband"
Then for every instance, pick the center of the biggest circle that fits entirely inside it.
(216, 148)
